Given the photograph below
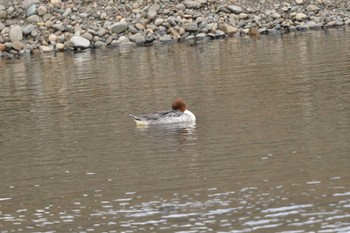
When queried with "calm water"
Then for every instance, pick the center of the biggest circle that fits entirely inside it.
(269, 152)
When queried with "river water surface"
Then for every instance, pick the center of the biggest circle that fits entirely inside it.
(270, 151)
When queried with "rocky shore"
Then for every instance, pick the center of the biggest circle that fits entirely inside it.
(59, 25)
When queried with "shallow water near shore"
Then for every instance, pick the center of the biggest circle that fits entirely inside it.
(269, 151)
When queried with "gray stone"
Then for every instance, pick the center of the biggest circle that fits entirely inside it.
(119, 27)
(230, 30)
(59, 46)
(52, 38)
(166, 39)
(99, 44)
(192, 4)
(84, 15)
(138, 38)
(17, 45)
(243, 16)
(42, 10)
(28, 3)
(33, 19)
(34, 32)
(158, 21)
(3, 14)
(2, 26)
(300, 16)
(235, 9)
(58, 27)
(201, 36)
(191, 27)
(67, 12)
(46, 49)
(80, 42)
(16, 33)
(132, 29)
(154, 7)
(151, 14)
(2, 8)
(28, 29)
(180, 6)
(312, 8)
(87, 36)
(101, 32)
(299, 2)
(31, 10)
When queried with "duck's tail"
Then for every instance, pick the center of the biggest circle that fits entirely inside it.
(136, 118)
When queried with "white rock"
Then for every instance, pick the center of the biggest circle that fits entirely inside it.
(80, 42)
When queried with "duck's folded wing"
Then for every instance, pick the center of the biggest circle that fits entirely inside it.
(163, 114)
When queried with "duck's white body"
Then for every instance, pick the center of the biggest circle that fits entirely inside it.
(165, 117)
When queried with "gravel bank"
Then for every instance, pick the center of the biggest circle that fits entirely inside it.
(58, 25)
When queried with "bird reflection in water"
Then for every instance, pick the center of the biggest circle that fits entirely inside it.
(181, 132)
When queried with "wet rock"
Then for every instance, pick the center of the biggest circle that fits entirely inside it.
(59, 46)
(230, 30)
(46, 49)
(119, 27)
(201, 36)
(99, 44)
(80, 42)
(16, 33)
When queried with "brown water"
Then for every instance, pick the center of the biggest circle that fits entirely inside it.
(269, 152)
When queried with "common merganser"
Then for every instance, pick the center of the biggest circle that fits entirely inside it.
(178, 114)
